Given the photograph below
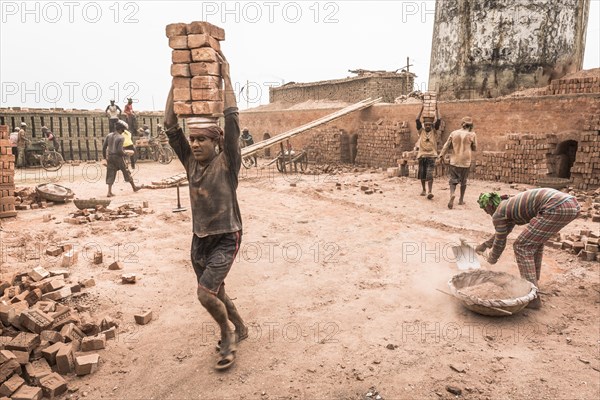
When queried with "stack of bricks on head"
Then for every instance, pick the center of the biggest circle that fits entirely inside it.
(197, 82)
(429, 104)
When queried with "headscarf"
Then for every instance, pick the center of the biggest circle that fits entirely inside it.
(486, 199)
(213, 132)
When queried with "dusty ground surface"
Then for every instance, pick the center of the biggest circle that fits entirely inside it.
(338, 288)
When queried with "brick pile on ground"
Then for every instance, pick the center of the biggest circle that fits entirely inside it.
(589, 202)
(42, 338)
(27, 198)
(7, 175)
(101, 213)
(197, 83)
(584, 245)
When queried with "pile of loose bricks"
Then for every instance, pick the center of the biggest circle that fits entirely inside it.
(584, 245)
(42, 339)
(7, 175)
(408, 165)
(196, 71)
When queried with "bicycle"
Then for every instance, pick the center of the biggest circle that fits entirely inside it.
(50, 160)
(250, 161)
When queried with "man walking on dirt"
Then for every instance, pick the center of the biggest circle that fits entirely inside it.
(462, 142)
(113, 153)
(427, 146)
(248, 140)
(212, 160)
(546, 211)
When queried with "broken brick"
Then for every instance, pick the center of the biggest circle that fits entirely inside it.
(49, 353)
(72, 333)
(38, 273)
(11, 385)
(69, 259)
(35, 320)
(36, 370)
(65, 362)
(128, 278)
(117, 265)
(86, 364)
(54, 251)
(53, 385)
(143, 318)
(24, 341)
(92, 343)
(51, 336)
(27, 393)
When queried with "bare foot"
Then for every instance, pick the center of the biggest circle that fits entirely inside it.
(451, 202)
(110, 195)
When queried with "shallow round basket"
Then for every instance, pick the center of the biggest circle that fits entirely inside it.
(83, 204)
(552, 182)
(53, 192)
(524, 290)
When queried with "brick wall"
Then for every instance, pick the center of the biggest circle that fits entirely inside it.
(350, 90)
(494, 119)
(80, 132)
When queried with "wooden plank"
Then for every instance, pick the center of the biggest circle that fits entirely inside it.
(252, 149)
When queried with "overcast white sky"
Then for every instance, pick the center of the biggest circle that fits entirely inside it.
(80, 54)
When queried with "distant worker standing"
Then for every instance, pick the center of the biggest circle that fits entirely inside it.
(22, 142)
(462, 142)
(248, 140)
(131, 116)
(14, 139)
(427, 146)
(113, 111)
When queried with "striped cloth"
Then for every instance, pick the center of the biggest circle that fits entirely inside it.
(546, 211)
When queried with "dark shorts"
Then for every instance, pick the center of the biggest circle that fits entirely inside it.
(458, 175)
(114, 164)
(212, 258)
(426, 168)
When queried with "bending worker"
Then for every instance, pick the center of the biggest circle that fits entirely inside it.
(546, 211)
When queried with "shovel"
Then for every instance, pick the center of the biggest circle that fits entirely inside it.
(465, 256)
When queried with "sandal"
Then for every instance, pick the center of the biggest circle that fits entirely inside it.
(238, 339)
(225, 362)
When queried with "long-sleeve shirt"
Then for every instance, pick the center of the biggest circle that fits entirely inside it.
(113, 145)
(213, 197)
(520, 210)
(463, 143)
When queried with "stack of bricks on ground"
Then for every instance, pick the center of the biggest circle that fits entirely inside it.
(196, 71)
(7, 175)
(527, 158)
(42, 338)
(584, 245)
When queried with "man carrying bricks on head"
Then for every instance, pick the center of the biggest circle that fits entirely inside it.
(212, 160)
(113, 153)
(462, 142)
(545, 211)
(427, 149)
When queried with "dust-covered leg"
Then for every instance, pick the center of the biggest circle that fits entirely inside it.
(232, 313)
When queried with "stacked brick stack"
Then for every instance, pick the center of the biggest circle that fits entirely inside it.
(196, 70)
(592, 122)
(429, 104)
(325, 145)
(524, 159)
(586, 170)
(575, 85)
(381, 143)
(7, 175)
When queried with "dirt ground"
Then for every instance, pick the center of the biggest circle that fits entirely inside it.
(338, 287)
